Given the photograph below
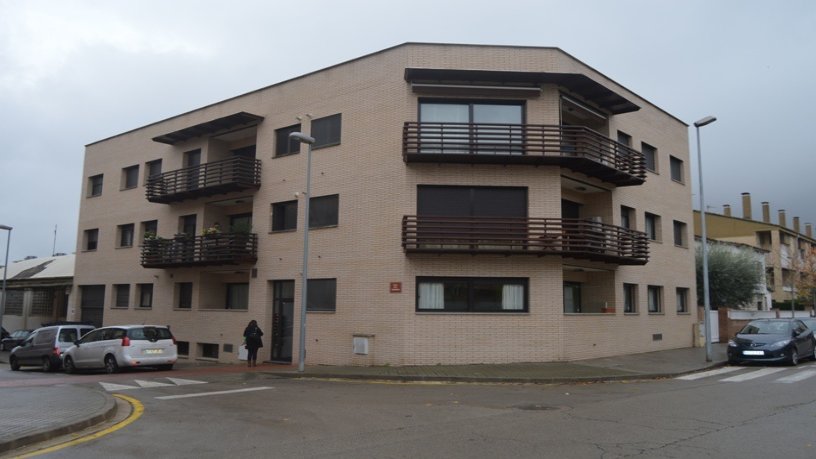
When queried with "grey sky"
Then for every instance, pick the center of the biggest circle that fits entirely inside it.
(75, 72)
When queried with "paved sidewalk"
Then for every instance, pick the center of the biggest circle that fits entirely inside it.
(37, 413)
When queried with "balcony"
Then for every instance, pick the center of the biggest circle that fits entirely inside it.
(574, 147)
(566, 237)
(209, 250)
(217, 177)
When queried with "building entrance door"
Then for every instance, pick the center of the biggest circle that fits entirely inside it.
(283, 308)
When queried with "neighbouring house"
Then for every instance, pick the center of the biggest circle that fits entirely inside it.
(469, 204)
(37, 291)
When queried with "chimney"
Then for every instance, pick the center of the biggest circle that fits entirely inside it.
(746, 206)
(727, 210)
(782, 220)
(796, 224)
(809, 230)
(766, 212)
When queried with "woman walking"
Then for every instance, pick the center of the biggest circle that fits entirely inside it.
(252, 338)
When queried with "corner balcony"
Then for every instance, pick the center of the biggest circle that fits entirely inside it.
(565, 237)
(209, 250)
(574, 147)
(217, 177)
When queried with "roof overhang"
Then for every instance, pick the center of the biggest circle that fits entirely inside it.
(218, 126)
(589, 89)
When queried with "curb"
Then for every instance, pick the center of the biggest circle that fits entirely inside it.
(106, 413)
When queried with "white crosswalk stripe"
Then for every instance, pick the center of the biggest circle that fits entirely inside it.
(799, 376)
(111, 387)
(753, 375)
(706, 374)
(740, 374)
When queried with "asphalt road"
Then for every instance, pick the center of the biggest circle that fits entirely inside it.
(254, 415)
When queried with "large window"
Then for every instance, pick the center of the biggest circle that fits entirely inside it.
(655, 297)
(323, 211)
(285, 146)
(630, 298)
(322, 295)
(650, 155)
(284, 216)
(464, 201)
(125, 235)
(495, 135)
(122, 295)
(95, 185)
(682, 300)
(91, 239)
(471, 294)
(676, 169)
(326, 131)
(237, 296)
(145, 295)
(130, 177)
(184, 295)
(572, 297)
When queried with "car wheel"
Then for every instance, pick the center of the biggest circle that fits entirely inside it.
(15, 365)
(794, 357)
(47, 367)
(110, 364)
(68, 364)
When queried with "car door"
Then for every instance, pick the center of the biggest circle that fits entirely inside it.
(24, 353)
(804, 338)
(85, 349)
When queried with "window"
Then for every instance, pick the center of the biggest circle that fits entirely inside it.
(130, 177)
(652, 226)
(208, 350)
(650, 155)
(655, 294)
(153, 169)
(572, 297)
(676, 169)
(145, 295)
(322, 295)
(95, 185)
(326, 131)
(471, 294)
(627, 217)
(183, 348)
(150, 229)
(284, 216)
(42, 302)
(237, 296)
(624, 139)
(14, 302)
(121, 295)
(285, 146)
(682, 300)
(91, 239)
(630, 298)
(125, 235)
(446, 127)
(184, 293)
(680, 234)
(323, 211)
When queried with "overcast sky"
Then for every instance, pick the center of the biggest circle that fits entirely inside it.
(75, 72)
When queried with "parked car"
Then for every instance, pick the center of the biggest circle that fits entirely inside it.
(773, 340)
(14, 339)
(44, 347)
(123, 346)
(810, 322)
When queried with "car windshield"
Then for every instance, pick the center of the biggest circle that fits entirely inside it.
(811, 323)
(68, 335)
(766, 327)
(20, 334)
(149, 333)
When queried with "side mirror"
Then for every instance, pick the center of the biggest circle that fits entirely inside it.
(76, 343)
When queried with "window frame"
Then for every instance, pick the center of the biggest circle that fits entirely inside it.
(129, 181)
(649, 157)
(95, 184)
(122, 231)
(314, 208)
(183, 297)
(576, 287)
(118, 290)
(91, 237)
(149, 166)
(292, 146)
(470, 282)
(681, 297)
(145, 292)
(280, 223)
(329, 140)
(653, 220)
(630, 293)
(676, 169)
(654, 292)
(228, 294)
(329, 307)
(680, 230)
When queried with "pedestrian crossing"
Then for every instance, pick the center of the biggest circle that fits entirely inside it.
(736, 374)
(144, 384)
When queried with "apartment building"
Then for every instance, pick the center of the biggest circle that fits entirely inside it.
(469, 204)
(786, 246)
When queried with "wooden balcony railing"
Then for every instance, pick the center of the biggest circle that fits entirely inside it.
(213, 249)
(566, 237)
(217, 177)
(574, 147)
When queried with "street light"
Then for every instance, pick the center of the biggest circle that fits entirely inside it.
(303, 138)
(706, 298)
(5, 270)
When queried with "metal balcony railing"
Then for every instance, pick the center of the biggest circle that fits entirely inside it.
(217, 177)
(566, 237)
(575, 147)
(212, 249)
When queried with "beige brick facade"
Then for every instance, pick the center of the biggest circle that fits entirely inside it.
(376, 188)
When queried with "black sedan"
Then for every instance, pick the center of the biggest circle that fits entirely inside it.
(773, 340)
(14, 339)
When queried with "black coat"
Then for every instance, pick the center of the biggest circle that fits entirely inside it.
(253, 336)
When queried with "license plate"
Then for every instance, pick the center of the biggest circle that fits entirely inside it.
(153, 351)
(753, 352)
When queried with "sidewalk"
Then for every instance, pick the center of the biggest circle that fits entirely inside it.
(33, 414)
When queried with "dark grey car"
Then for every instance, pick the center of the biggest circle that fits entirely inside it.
(773, 340)
(45, 346)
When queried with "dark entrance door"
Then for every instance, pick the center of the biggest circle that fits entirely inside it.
(92, 304)
(192, 159)
(283, 308)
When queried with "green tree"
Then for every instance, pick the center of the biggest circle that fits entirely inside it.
(734, 275)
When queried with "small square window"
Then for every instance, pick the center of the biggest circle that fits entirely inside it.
(680, 234)
(676, 169)
(323, 211)
(145, 295)
(237, 296)
(130, 177)
(650, 156)
(95, 185)
(284, 146)
(284, 216)
(682, 300)
(183, 348)
(322, 295)
(326, 131)
(122, 292)
(652, 226)
(630, 298)
(125, 235)
(624, 139)
(91, 239)
(655, 297)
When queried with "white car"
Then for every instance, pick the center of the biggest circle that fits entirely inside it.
(122, 346)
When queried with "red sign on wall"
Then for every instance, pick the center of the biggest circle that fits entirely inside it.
(395, 287)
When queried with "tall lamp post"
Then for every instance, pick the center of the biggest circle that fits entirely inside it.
(303, 138)
(5, 270)
(706, 298)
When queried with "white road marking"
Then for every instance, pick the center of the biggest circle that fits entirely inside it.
(753, 375)
(802, 375)
(111, 387)
(706, 374)
(207, 394)
(185, 382)
(144, 383)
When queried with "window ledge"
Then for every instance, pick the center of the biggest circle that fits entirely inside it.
(124, 247)
(129, 188)
(325, 146)
(467, 313)
(320, 312)
(683, 313)
(182, 309)
(631, 313)
(221, 310)
(323, 227)
(285, 155)
(121, 308)
(293, 230)
(142, 308)
(579, 314)
(680, 182)
(657, 313)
